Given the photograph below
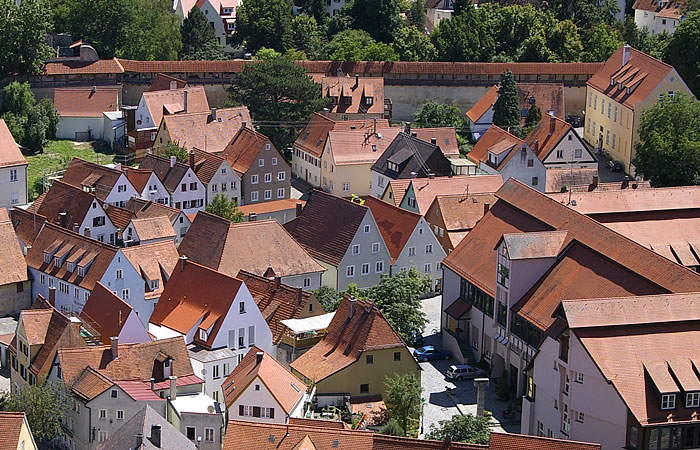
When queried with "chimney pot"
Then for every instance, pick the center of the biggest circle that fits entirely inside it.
(173, 387)
(139, 440)
(487, 206)
(118, 166)
(298, 209)
(52, 296)
(299, 296)
(62, 219)
(114, 341)
(213, 114)
(626, 53)
(433, 141)
(76, 227)
(192, 159)
(258, 358)
(278, 280)
(414, 134)
(252, 217)
(183, 261)
(173, 160)
(155, 435)
(353, 306)
(244, 124)
(594, 183)
(153, 383)
(625, 183)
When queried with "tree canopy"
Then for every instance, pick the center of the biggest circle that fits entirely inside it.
(464, 37)
(402, 396)
(435, 114)
(380, 18)
(506, 110)
(224, 207)
(30, 123)
(411, 44)
(679, 54)
(23, 31)
(357, 45)
(669, 149)
(45, 406)
(468, 428)
(264, 23)
(198, 38)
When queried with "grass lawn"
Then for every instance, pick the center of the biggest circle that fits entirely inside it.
(56, 157)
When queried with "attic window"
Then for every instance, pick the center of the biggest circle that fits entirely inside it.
(203, 335)
(154, 284)
(369, 100)
(47, 257)
(668, 401)
(692, 400)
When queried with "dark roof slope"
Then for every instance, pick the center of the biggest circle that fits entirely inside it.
(141, 423)
(169, 176)
(412, 155)
(84, 174)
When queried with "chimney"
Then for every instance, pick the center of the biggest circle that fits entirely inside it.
(76, 227)
(299, 296)
(173, 387)
(594, 183)
(155, 435)
(353, 305)
(153, 383)
(118, 166)
(625, 183)
(326, 111)
(408, 128)
(192, 159)
(114, 342)
(487, 206)
(185, 101)
(552, 124)
(139, 440)
(52, 296)
(183, 261)
(433, 141)
(431, 175)
(87, 232)
(357, 81)
(298, 210)
(244, 124)
(626, 52)
(414, 134)
(537, 145)
(277, 282)
(252, 217)
(213, 114)
(173, 160)
(62, 219)
(258, 358)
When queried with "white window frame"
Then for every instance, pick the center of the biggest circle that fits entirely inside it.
(253, 196)
(281, 176)
(350, 271)
(692, 400)
(355, 249)
(254, 179)
(379, 267)
(365, 269)
(668, 401)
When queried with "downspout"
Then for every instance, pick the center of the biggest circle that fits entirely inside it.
(89, 423)
(483, 331)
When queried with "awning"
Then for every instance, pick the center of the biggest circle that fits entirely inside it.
(458, 309)
(309, 324)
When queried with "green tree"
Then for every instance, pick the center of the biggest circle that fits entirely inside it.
(679, 54)
(328, 297)
(209, 51)
(534, 115)
(603, 42)
(265, 54)
(464, 37)
(506, 110)
(315, 9)
(264, 23)
(277, 91)
(469, 428)
(392, 428)
(669, 149)
(49, 115)
(45, 406)
(398, 298)
(23, 31)
(380, 18)
(196, 32)
(16, 124)
(535, 49)
(402, 395)
(340, 22)
(306, 35)
(173, 149)
(435, 114)
(460, 6)
(565, 41)
(358, 45)
(17, 98)
(154, 34)
(412, 45)
(30, 123)
(225, 207)
(586, 13)
(416, 14)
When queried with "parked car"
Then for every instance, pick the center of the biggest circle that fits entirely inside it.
(464, 372)
(416, 339)
(614, 166)
(575, 121)
(430, 353)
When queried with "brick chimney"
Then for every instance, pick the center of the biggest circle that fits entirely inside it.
(298, 210)
(192, 159)
(487, 206)
(353, 306)
(52, 296)
(258, 357)
(213, 114)
(552, 124)
(114, 342)
(594, 184)
(278, 281)
(299, 296)
(626, 53)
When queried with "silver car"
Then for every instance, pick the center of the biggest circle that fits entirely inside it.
(464, 372)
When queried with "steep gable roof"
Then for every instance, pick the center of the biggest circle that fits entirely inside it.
(252, 246)
(174, 100)
(327, 226)
(169, 176)
(495, 140)
(462, 212)
(668, 9)
(286, 388)
(244, 149)
(85, 102)
(14, 266)
(205, 131)
(206, 165)
(357, 89)
(483, 104)
(10, 155)
(546, 135)
(88, 175)
(27, 224)
(105, 312)
(153, 228)
(313, 137)
(347, 337)
(360, 146)
(145, 208)
(395, 224)
(141, 423)
(445, 138)
(63, 198)
(10, 429)
(195, 296)
(154, 262)
(425, 190)
(410, 156)
(138, 177)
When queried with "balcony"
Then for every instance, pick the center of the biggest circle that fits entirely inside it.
(301, 341)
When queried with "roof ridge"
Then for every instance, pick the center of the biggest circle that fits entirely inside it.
(82, 238)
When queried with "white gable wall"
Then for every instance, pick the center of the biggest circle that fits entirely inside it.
(190, 195)
(424, 262)
(226, 181)
(262, 398)
(365, 256)
(573, 149)
(119, 196)
(517, 167)
(130, 287)
(133, 331)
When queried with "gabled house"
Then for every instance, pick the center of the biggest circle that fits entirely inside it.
(659, 15)
(144, 209)
(109, 384)
(148, 231)
(437, 10)
(15, 287)
(147, 184)
(409, 239)
(629, 83)
(82, 111)
(309, 145)
(264, 173)
(221, 15)
(260, 389)
(216, 174)
(358, 351)
(216, 315)
(443, 137)
(354, 97)
(41, 332)
(343, 237)
(210, 130)
(480, 116)
(186, 191)
(154, 263)
(451, 217)
(13, 170)
(499, 152)
(15, 432)
(408, 157)
(557, 144)
(279, 302)
(108, 316)
(163, 81)
(156, 104)
(260, 247)
(108, 185)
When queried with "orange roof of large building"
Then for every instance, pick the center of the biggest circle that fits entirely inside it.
(14, 266)
(85, 101)
(632, 82)
(153, 262)
(595, 261)
(173, 100)
(210, 130)
(366, 94)
(360, 146)
(348, 335)
(64, 203)
(546, 135)
(283, 204)
(395, 224)
(511, 441)
(105, 312)
(252, 246)
(150, 228)
(244, 149)
(312, 138)
(463, 211)
(426, 189)
(285, 388)
(10, 155)
(483, 104)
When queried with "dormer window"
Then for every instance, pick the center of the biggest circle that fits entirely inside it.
(81, 271)
(369, 100)
(668, 401)
(203, 335)
(47, 257)
(70, 267)
(692, 400)
(154, 284)
(57, 262)
(393, 167)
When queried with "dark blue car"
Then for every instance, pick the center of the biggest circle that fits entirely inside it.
(430, 353)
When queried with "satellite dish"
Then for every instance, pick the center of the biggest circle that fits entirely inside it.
(204, 371)
(210, 409)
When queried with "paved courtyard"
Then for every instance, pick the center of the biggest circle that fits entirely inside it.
(438, 404)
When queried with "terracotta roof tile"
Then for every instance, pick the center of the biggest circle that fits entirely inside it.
(395, 224)
(398, 189)
(346, 338)
(252, 246)
(10, 155)
(425, 190)
(90, 383)
(104, 66)
(105, 312)
(68, 199)
(153, 228)
(283, 204)
(169, 176)
(312, 138)
(14, 267)
(495, 140)
(546, 135)
(154, 262)
(157, 100)
(285, 388)
(386, 442)
(84, 174)
(200, 130)
(445, 138)
(510, 441)
(145, 208)
(670, 9)
(547, 97)
(119, 217)
(83, 102)
(327, 226)
(27, 225)
(318, 423)
(360, 146)
(483, 104)
(164, 82)
(206, 165)
(10, 428)
(462, 212)
(138, 177)
(633, 200)
(570, 178)
(244, 148)
(357, 89)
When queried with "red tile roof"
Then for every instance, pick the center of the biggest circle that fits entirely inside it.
(357, 89)
(150, 228)
(169, 176)
(445, 138)
(395, 224)
(157, 100)
(547, 97)
(84, 102)
(27, 224)
(495, 140)
(313, 137)
(164, 82)
(84, 174)
(105, 312)
(360, 146)
(154, 262)
(206, 165)
(63, 198)
(347, 337)
(268, 436)
(104, 66)
(461, 212)
(483, 104)
(669, 9)
(10, 155)
(284, 204)
(14, 267)
(138, 177)
(386, 442)
(200, 130)
(510, 441)
(546, 135)
(425, 190)
(145, 208)
(11, 424)
(244, 149)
